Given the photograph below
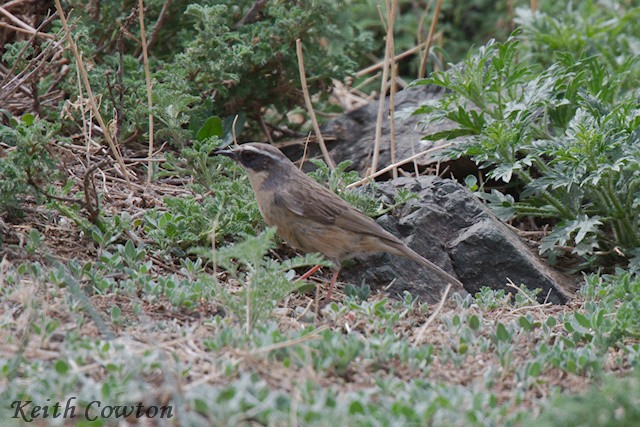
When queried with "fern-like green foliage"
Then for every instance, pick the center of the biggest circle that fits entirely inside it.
(222, 204)
(212, 59)
(264, 280)
(251, 65)
(28, 164)
(339, 178)
(556, 115)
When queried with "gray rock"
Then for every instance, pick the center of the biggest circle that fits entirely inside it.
(353, 134)
(451, 227)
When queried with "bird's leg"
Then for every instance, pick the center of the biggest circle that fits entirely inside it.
(309, 273)
(316, 268)
(333, 283)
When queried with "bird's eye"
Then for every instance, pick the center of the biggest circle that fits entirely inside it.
(248, 155)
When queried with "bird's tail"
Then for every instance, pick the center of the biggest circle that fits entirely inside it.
(407, 252)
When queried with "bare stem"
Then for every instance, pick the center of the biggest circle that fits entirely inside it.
(92, 101)
(383, 91)
(401, 162)
(312, 114)
(391, 17)
(432, 30)
(147, 76)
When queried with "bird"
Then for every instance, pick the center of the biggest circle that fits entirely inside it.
(312, 218)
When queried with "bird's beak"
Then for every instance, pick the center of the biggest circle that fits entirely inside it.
(229, 153)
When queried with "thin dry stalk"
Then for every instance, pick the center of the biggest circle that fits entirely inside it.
(364, 83)
(396, 58)
(86, 128)
(432, 30)
(534, 6)
(290, 343)
(3, 265)
(247, 290)
(317, 304)
(10, 16)
(531, 307)
(395, 165)
(212, 236)
(233, 130)
(304, 153)
(10, 4)
(265, 129)
(391, 17)
(416, 170)
(534, 303)
(383, 90)
(424, 15)
(22, 51)
(516, 287)
(153, 38)
(22, 30)
(510, 13)
(92, 101)
(18, 81)
(307, 101)
(147, 77)
(431, 318)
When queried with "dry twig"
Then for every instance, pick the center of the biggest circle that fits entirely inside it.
(307, 101)
(424, 327)
(432, 30)
(92, 101)
(153, 38)
(396, 58)
(391, 18)
(395, 165)
(147, 76)
(277, 346)
(383, 91)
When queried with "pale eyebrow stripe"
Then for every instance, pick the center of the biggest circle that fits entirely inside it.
(263, 152)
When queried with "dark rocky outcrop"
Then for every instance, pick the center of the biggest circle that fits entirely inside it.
(451, 227)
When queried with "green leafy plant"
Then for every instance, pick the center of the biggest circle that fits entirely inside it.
(265, 282)
(223, 59)
(565, 134)
(29, 164)
(339, 178)
(614, 402)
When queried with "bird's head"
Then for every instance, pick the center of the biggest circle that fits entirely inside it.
(264, 163)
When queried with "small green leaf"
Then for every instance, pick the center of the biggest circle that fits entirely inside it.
(551, 322)
(115, 312)
(201, 406)
(471, 181)
(474, 322)
(28, 119)
(502, 333)
(227, 395)
(356, 408)
(596, 321)
(212, 127)
(524, 323)
(535, 369)
(61, 367)
(582, 320)
(568, 327)
(455, 320)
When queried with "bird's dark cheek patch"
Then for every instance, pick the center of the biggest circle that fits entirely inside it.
(258, 165)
